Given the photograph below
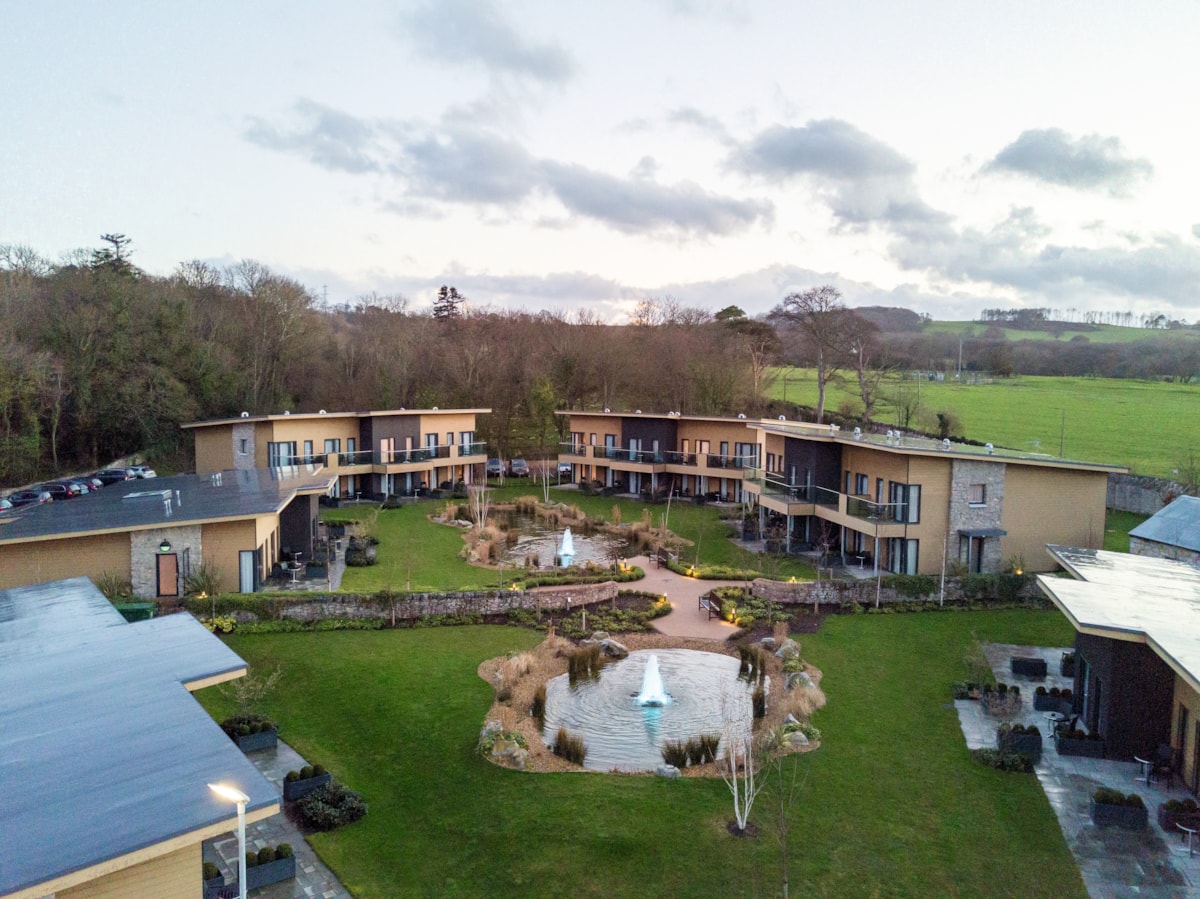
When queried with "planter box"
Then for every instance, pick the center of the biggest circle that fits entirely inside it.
(1026, 744)
(298, 788)
(312, 571)
(212, 887)
(1167, 820)
(1128, 816)
(1047, 703)
(1029, 666)
(1067, 668)
(1091, 749)
(271, 872)
(254, 742)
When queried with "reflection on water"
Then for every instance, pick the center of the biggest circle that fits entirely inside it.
(620, 734)
(536, 539)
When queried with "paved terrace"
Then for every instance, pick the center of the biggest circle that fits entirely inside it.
(1114, 862)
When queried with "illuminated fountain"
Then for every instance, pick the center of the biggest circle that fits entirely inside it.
(653, 693)
(566, 550)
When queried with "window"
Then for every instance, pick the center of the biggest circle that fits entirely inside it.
(770, 461)
(308, 451)
(450, 437)
(280, 454)
(244, 445)
(466, 438)
(351, 445)
(860, 485)
(333, 446)
(906, 501)
(846, 481)
(977, 494)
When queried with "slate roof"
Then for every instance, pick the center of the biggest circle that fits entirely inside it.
(155, 502)
(103, 751)
(1177, 524)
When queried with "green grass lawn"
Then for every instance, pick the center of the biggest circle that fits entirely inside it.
(1149, 426)
(1097, 334)
(1117, 526)
(415, 551)
(891, 804)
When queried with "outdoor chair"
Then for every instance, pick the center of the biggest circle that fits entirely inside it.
(1066, 726)
(1164, 764)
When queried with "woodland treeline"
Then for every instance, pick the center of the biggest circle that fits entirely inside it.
(99, 359)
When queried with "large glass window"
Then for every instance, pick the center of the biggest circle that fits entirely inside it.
(281, 454)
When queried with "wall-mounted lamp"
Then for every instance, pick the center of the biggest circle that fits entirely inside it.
(165, 546)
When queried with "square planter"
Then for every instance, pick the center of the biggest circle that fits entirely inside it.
(316, 572)
(1067, 666)
(295, 789)
(1090, 749)
(1167, 820)
(1029, 666)
(1047, 703)
(254, 742)
(1026, 744)
(1128, 816)
(212, 887)
(271, 872)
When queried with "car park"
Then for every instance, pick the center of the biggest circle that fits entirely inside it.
(141, 471)
(494, 468)
(112, 475)
(518, 468)
(29, 497)
(60, 491)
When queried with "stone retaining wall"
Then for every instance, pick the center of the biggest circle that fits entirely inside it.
(417, 605)
(845, 592)
(1143, 495)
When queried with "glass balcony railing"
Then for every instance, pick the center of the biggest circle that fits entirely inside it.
(642, 457)
(572, 449)
(478, 448)
(675, 458)
(407, 457)
(860, 507)
(362, 457)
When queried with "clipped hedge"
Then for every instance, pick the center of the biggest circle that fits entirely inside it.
(331, 807)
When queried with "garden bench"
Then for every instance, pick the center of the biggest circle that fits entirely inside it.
(712, 606)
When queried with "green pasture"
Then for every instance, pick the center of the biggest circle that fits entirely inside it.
(890, 805)
(1061, 332)
(1151, 427)
(418, 554)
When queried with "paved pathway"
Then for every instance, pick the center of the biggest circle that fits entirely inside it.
(686, 618)
(1115, 863)
(313, 879)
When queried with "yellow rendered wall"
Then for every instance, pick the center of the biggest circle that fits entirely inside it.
(22, 564)
(1185, 696)
(176, 875)
(714, 432)
(222, 543)
(441, 422)
(214, 449)
(1051, 505)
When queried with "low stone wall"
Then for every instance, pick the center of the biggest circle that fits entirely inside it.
(1143, 495)
(865, 592)
(409, 606)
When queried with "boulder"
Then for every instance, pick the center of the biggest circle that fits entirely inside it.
(789, 649)
(668, 771)
(796, 738)
(613, 649)
(504, 747)
(798, 679)
(519, 758)
(791, 719)
(599, 636)
(768, 643)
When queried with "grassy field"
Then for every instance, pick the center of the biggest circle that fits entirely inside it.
(891, 804)
(420, 555)
(1149, 426)
(1098, 334)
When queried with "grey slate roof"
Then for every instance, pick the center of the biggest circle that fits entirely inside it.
(102, 749)
(155, 502)
(1178, 524)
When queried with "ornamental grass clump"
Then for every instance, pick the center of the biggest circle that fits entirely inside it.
(569, 747)
(584, 664)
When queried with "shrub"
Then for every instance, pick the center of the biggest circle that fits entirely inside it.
(251, 858)
(318, 771)
(584, 664)
(283, 850)
(569, 747)
(538, 709)
(329, 807)
(306, 772)
(759, 700)
(211, 871)
(1004, 761)
(266, 855)
(1181, 806)
(1109, 796)
(291, 777)
(244, 725)
(675, 752)
(1041, 691)
(115, 587)
(204, 578)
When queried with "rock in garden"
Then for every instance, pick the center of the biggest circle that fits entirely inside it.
(789, 649)
(613, 649)
(504, 747)
(599, 636)
(668, 771)
(791, 719)
(519, 759)
(797, 738)
(768, 643)
(797, 679)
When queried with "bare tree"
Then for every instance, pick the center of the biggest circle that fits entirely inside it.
(737, 767)
(865, 354)
(820, 319)
(479, 498)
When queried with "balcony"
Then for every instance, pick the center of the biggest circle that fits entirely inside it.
(736, 462)
(413, 456)
(472, 449)
(640, 457)
(361, 457)
(573, 449)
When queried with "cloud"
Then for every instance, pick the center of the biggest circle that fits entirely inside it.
(860, 178)
(1196, 231)
(1090, 162)
(326, 137)
(467, 165)
(476, 32)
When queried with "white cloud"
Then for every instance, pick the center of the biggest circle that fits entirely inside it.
(1089, 162)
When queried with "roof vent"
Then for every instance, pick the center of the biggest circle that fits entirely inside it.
(783, 418)
(832, 430)
(639, 411)
(888, 438)
(858, 433)
(606, 409)
(322, 412)
(245, 415)
(990, 449)
(435, 408)
(286, 412)
(945, 443)
(741, 415)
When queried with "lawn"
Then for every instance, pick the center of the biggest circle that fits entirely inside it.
(1149, 426)
(1094, 334)
(1117, 526)
(891, 804)
(417, 554)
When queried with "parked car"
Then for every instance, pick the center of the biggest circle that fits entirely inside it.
(93, 482)
(80, 486)
(6, 504)
(494, 468)
(29, 497)
(518, 468)
(113, 475)
(141, 471)
(60, 491)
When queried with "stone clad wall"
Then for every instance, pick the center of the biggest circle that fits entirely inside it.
(963, 515)
(1140, 547)
(143, 549)
(862, 592)
(418, 605)
(1145, 496)
(244, 461)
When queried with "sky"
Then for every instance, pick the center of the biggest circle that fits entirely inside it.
(946, 157)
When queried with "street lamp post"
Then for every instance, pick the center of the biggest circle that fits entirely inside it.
(233, 794)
